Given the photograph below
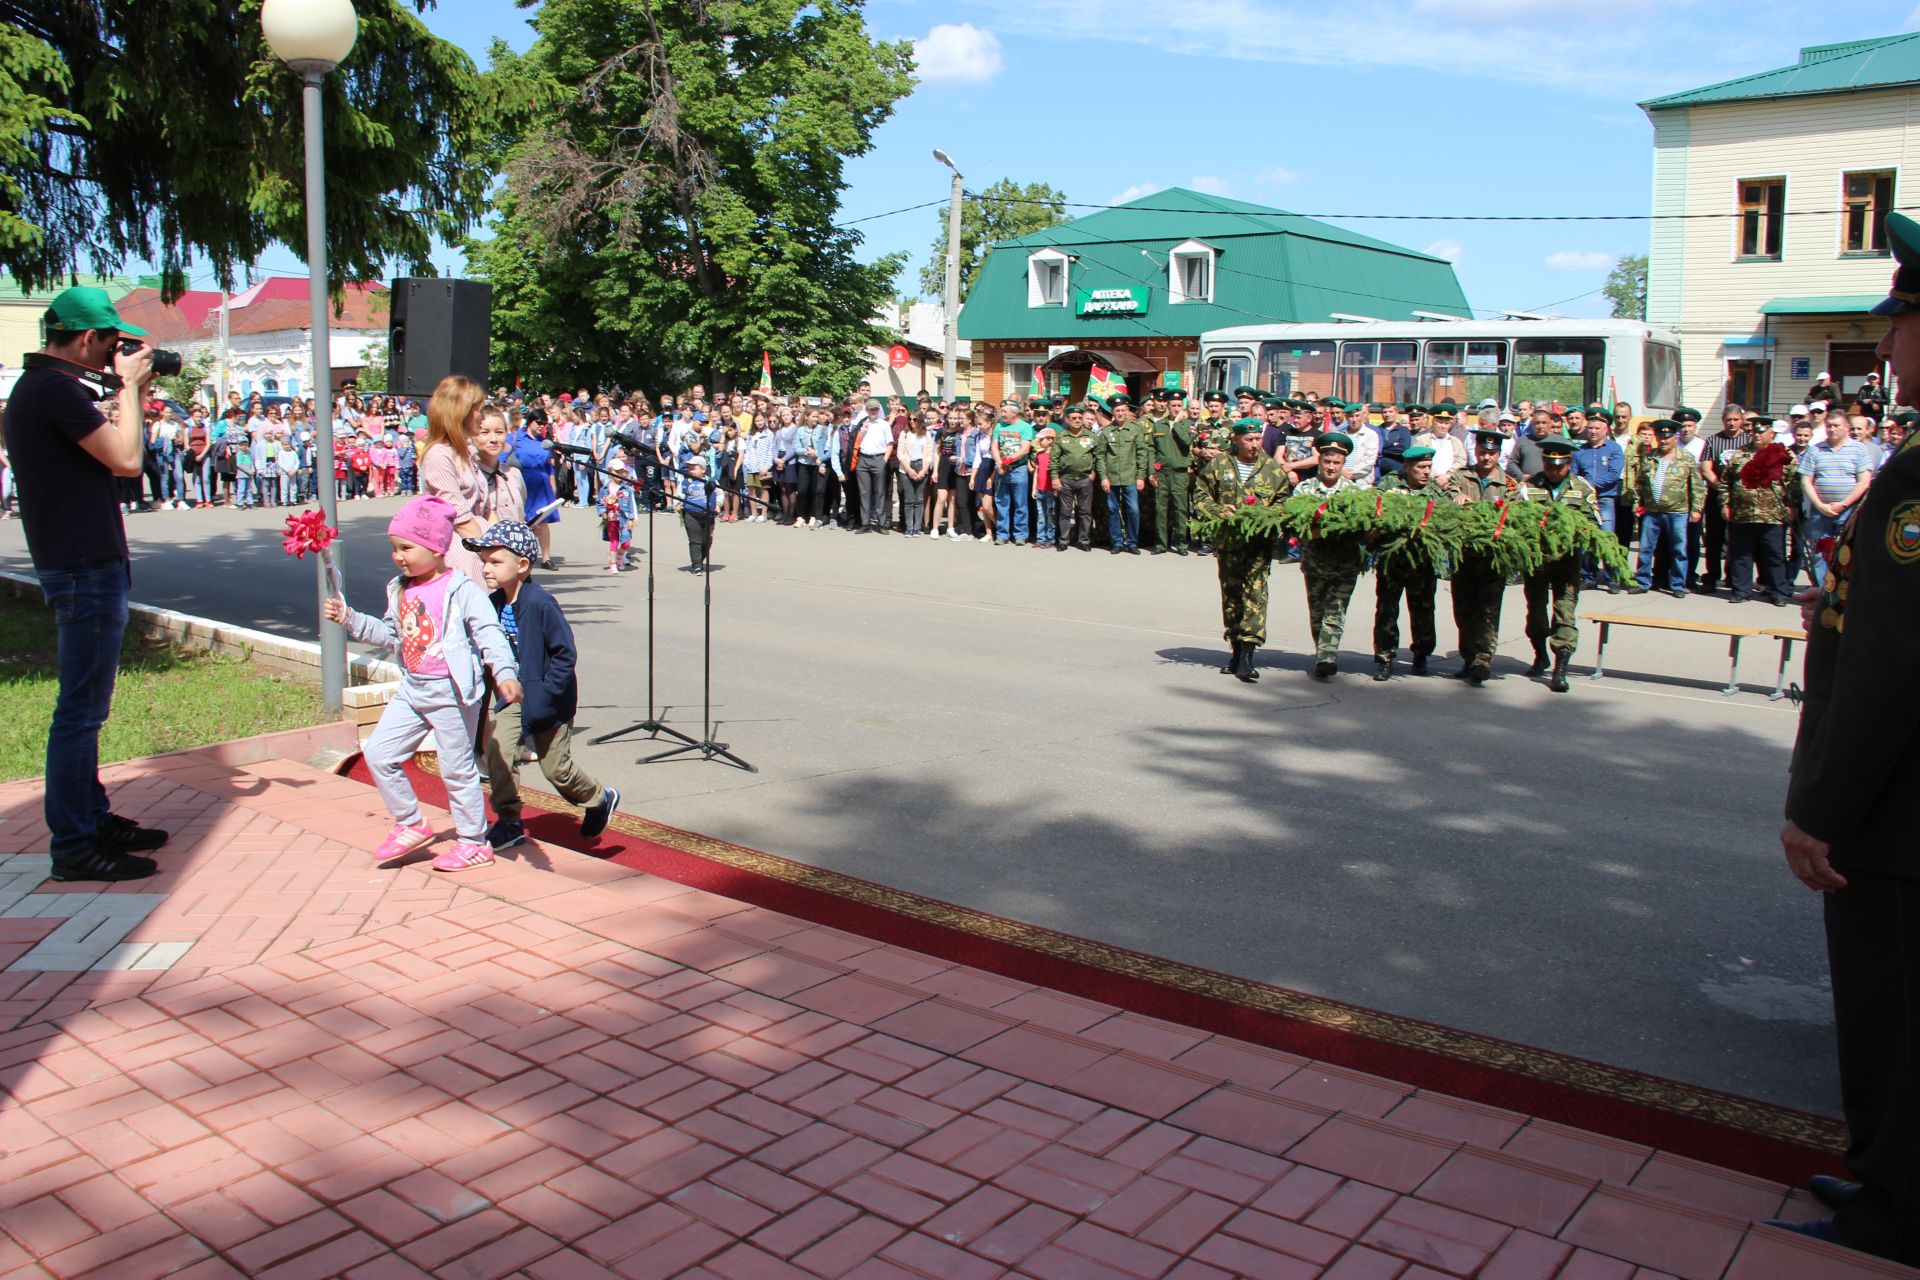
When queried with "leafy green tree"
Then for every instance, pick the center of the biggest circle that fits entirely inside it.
(167, 130)
(373, 372)
(1626, 287)
(1003, 211)
(670, 207)
(195, 372)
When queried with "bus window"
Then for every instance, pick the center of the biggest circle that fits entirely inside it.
(1563, 369)
(1384, 371)
(1662, 386)
(1295, 368)
(1226, 373)
(1464, 372)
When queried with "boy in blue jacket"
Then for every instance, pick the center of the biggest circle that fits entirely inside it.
(543, 645)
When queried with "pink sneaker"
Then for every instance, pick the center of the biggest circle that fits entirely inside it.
(464, 855)
(401, 841)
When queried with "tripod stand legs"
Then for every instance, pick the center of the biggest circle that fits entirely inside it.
(707, 748)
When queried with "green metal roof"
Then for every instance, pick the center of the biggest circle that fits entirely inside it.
(1847, 67)
(1822, 305)
(117, 287)
(1272, 266)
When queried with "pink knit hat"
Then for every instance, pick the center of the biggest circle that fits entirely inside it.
(427, 521)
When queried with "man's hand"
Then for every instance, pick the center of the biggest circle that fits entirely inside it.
(1694, 518)
(509, 691)
(1808, 598)
(135, 370)
(1807, 859)
(1140, 485)
(1106, 485)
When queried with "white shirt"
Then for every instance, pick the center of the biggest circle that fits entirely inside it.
(1366, 451)
(1449, 452)
(1695, 447)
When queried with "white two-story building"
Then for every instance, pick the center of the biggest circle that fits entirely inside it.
(1770, 198)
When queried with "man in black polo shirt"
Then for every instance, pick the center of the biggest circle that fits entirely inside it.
(66, 454)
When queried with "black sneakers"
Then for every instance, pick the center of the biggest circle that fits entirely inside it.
(128, 836)
(101, 861)
(595, 819)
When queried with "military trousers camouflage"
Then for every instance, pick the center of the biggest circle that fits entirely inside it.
(1244, 571)
(1553, 595)
(1477, 593)
(1419, 590)
(1330, 580)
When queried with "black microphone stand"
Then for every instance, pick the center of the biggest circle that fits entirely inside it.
(652, 726)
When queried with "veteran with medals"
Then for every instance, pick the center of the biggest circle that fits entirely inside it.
(1850, 832)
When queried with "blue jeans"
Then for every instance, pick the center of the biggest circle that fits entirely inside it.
(1012, 496)
(90, 609)
(244, 490)
(1607, 513)
(1817, 527)
(1123, 516)
(1043, 517)
(1669, 527)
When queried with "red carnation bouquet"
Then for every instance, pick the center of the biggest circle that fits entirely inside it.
(309, 531)
(1764, 469)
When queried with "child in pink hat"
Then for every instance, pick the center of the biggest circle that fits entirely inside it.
(447, 636)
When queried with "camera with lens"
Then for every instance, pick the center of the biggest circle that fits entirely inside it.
(166, 364)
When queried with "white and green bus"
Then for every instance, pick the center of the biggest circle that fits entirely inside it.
(1511, 359)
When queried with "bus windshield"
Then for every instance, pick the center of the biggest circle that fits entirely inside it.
(1563, 369)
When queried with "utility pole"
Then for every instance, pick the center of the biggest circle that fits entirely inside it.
(950, 363)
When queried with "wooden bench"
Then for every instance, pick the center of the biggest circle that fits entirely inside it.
(1735, 634)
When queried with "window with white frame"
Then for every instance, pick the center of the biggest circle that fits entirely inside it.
(1023, 373)
(1190, 272)
(1047, 279)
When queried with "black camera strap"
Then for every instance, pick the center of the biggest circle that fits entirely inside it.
(105, 384)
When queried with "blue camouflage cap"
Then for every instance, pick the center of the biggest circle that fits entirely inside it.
(515, 535)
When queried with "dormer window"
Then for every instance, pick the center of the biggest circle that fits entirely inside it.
(1047, 279)
(1190, 272)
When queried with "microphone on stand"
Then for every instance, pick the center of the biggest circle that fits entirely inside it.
(576, 450)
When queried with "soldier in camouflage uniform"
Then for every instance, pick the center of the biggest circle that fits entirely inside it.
(1329, 566)
(1212, 438)
(1760, 485)
(1418, 586)
(1478, 589)
(1672, 495)
(1557, 582)
(1245, 477)
(1170, 456)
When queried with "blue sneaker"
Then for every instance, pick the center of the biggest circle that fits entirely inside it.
(597, 816)
(505, 834)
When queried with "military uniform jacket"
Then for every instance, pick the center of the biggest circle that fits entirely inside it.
(1858, 751)
(1572, 492)
(1218, 489)
(1397, 483)
(1071, 457)
(1469, 484)
(1170, 444)
(1685, 489)
(1120, 454)
(1773, 503)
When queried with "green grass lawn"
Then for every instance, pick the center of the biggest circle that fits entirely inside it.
(167, 698)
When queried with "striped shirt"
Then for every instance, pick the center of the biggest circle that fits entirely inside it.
(1835, 470)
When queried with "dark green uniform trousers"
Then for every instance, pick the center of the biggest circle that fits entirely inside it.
(1170, 499)
(1553, 596)
(1477, 592)
(1419, 590)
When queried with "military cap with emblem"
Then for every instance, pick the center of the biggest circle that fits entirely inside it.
(1248, 426)
(1684, 414)
(1418, 453)
(1175, 393)
(1595, 411)
(1039, 402)
(1487, 435)
(1903, 295)
(1336, 441)
(1557, 447)
(1442, 410)
(1118, 398)
(1665, 427)
(1215, 397)
(1276, 402)
(1252, 393)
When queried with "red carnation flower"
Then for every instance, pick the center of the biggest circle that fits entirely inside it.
(1824, 548)
(1251, 499)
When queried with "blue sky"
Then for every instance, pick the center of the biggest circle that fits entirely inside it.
(1365, 106)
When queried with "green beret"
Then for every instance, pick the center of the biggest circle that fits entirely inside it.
(1557, 447)
(1489, 435)
(1665, 427)
(1337, 441)
(1248, 427)
(1684, 414)
(1418, 453)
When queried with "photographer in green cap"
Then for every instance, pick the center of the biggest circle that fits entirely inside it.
(65, 454)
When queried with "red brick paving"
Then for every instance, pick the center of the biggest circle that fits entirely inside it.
(558, 1069)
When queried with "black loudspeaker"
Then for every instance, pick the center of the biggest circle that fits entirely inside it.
(437, 328)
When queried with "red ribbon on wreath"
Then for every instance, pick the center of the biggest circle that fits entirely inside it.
(1501, 523)
(1427, 515)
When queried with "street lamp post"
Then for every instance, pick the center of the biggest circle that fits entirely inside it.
(950, 363)
(313, 37)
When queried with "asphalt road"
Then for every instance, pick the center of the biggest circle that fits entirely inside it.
(1046, 736)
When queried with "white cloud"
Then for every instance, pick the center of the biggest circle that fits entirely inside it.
(1277, 176)
(957, 54)
(1451, 250)
(1137, 190)
(1209, 184)
(1578, 260)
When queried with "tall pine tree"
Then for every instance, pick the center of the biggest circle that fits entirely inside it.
(670, 205)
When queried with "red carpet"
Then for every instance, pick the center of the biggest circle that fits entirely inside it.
(1739, 1133)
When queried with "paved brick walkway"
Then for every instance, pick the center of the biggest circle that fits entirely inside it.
(276, 1060)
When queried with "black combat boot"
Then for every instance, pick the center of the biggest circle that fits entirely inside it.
(1252, 672)
(1539, 667)
(1419, 664)
(1325, 670)
(1244, 666)
(1478, 671)
(1233, 661)
(1559, 681)
(1383, 668)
